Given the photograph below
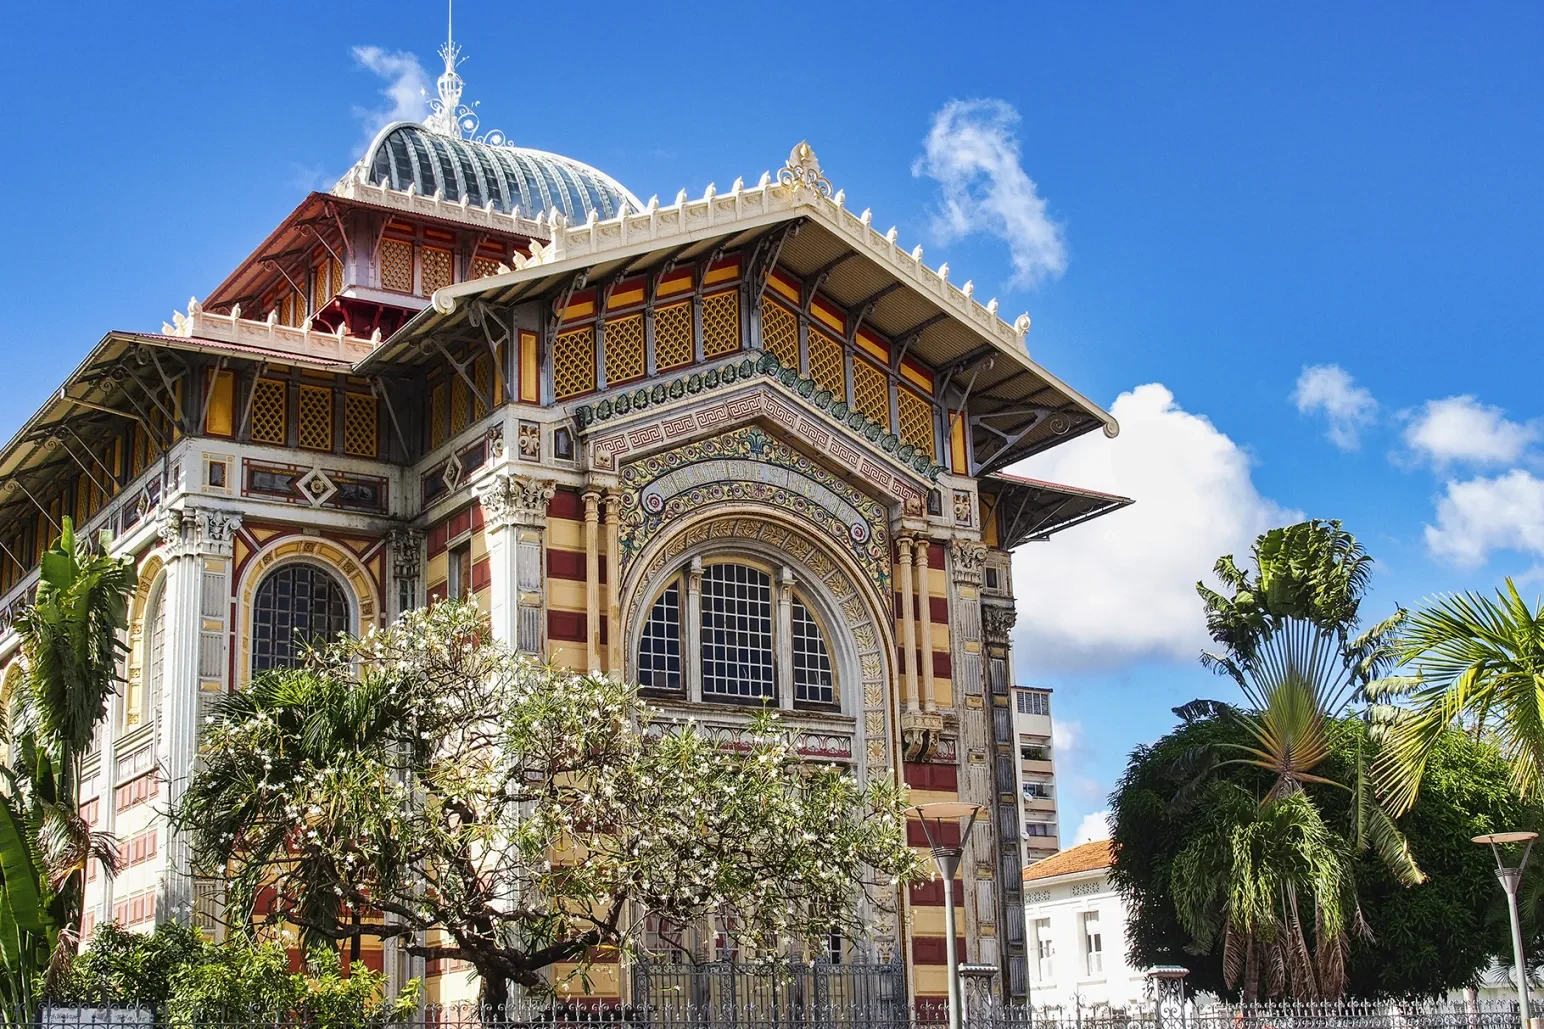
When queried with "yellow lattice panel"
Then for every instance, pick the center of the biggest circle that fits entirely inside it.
(320, 294)
(482, 267)
(437, 416)
(826, 364)
(397, 265)
(436, 268)
(916, 417)
(780, 333)
(482, 374)
(673, 336)
(624, 349)
(460, 405)
(359, 425)
(721, 323)
(314, 429)
(573, 363)
(870, 391)
(268, 403)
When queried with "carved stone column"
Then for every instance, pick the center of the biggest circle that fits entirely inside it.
(592, 580)
(614, 583)
(925, 630)
(515, 520)
(966, 559)
(997, 620)
(197, 544)
(908, 625)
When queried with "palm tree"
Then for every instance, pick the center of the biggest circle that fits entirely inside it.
(1288, 641)
(70, 640)
(1477, 662)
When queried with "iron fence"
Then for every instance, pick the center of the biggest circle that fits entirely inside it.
(786, 1010)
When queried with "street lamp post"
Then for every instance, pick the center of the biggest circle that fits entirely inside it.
(1511, 878)
(946, 856)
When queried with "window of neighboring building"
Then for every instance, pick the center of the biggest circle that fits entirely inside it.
(1034, 752)
(748, 625)
(1039, 829)
(1093, 944)
(1045, 951)
(1037, 790)
(296, 605)
(1034, 702)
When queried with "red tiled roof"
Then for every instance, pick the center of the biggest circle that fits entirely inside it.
(1083, 858)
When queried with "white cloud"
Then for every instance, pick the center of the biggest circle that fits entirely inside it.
(406, 85)
(1328, 389)
(1476, 516)
(1094, 826)
(1459, 429)
(1123, 586)
(972, 152)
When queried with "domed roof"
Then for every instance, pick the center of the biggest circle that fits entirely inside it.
(408, 154)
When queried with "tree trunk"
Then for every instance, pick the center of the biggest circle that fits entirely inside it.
(493, 1001)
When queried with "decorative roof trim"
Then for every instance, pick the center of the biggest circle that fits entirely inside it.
(800, 191)
(302, 342)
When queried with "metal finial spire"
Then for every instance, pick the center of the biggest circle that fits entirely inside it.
(448, 115)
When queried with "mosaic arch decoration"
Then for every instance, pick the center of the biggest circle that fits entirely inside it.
(749, 466)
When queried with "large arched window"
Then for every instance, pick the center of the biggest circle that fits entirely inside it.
(295, 605)
(737, 633)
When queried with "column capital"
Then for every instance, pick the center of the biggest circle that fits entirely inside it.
(515, 500)
(967, 557)
(406, 553)
(193, 531)
(997, 622)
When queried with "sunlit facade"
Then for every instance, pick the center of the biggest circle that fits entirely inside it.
(741, 448)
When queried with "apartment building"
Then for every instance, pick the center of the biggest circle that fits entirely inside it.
(1036, 773)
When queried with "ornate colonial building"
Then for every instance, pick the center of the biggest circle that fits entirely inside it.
(740, 447)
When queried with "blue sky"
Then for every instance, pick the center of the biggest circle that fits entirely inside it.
(1219, 197)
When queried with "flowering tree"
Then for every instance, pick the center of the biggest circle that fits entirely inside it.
(426, 778)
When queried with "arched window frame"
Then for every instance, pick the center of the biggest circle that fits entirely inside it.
(350, 601)
(787, 589)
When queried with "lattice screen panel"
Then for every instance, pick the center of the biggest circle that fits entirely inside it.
(397, 265)
(436, 416)
(314, 431)
(780, 332)
(482, 267)
(826, 364)
(624, 349)
(573, 363)
(916, 421)
(721, 323)
(268, 403)
(320, 294)
(460, 404)
(870, 391)
(482, 374)
(436, 268)
(360, 425)
(673, 336)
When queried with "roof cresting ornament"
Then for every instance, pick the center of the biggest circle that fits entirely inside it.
(803, 171)
(448, 116)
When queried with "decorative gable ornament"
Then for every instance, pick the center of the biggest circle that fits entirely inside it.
(315, 487)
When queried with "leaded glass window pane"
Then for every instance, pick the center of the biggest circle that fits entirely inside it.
(736, 632)
(296, 605)
(812, 679)
(659, 648)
